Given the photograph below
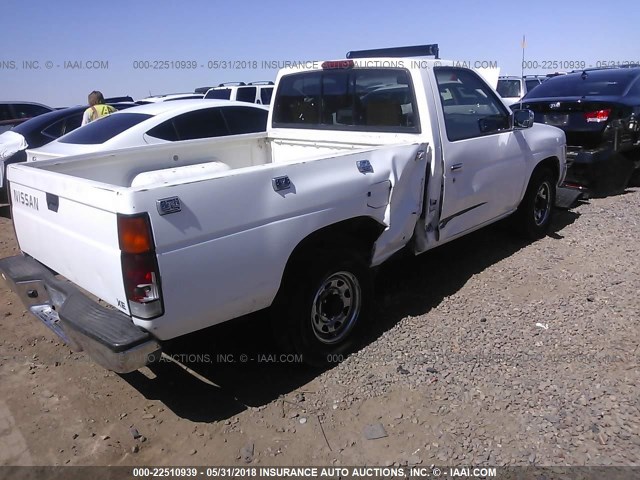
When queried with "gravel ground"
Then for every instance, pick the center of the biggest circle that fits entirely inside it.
(526, 353)
(487, 351)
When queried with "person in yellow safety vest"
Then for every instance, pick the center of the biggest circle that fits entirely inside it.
(97, 108)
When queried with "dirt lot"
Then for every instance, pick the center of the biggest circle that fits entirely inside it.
(488, 351)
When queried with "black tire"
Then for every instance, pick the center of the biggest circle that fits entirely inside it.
(534, 215)
(323, 306)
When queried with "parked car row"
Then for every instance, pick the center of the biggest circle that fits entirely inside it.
(56, 134)
(62, 121)
(15, 113)
(170, 97)
(38, 131)
(158, 122)
(253, 92)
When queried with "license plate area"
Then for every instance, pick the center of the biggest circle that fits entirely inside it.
(556, 119)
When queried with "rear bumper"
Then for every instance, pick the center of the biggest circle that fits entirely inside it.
(585, 166)
(594, 170)
(108, 336)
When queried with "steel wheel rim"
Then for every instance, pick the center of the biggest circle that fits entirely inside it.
(542, 204)
(336, 307)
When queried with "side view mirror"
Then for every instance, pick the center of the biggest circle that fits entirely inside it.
(523, 119)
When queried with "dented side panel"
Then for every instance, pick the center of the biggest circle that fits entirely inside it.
(408, 177)
(223, 255)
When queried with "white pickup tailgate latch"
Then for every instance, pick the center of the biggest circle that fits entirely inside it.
(169, 205)
(281, 183)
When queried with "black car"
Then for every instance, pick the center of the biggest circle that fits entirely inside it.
(599, 111)
(39, 131)
(15, 113)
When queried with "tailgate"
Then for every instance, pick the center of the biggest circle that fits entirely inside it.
(69, 224)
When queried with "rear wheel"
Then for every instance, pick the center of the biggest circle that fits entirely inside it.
(324, 305)
(534, 215)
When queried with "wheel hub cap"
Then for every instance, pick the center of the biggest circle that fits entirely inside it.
(336, 307)
(542, 204)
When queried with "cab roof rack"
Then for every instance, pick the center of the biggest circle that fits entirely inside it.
(411, 51)
(226, 84)
(261, 82)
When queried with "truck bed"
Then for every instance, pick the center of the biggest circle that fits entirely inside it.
(195, 160)
(65, 213)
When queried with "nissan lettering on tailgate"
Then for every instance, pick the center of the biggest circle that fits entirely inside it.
(25, 199)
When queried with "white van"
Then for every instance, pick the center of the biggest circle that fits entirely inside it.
(253, 92)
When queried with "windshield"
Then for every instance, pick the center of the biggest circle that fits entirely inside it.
(509, 88)
(103, 129)
(594, 83)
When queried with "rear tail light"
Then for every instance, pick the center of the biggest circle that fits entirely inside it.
(139, 266)
(597, 116)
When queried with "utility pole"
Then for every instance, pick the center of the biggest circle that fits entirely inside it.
(523, 44)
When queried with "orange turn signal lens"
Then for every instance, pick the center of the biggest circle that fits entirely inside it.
(134, 234)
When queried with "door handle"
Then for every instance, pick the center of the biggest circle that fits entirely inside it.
(456, 166)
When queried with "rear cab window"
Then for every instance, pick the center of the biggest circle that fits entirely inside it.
(359, 99)
(103, 129)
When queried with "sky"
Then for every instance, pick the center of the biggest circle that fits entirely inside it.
(57, 52)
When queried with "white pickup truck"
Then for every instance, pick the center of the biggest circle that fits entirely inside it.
(362, 157)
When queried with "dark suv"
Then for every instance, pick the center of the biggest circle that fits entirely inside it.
(599, 111)
(14, 113)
